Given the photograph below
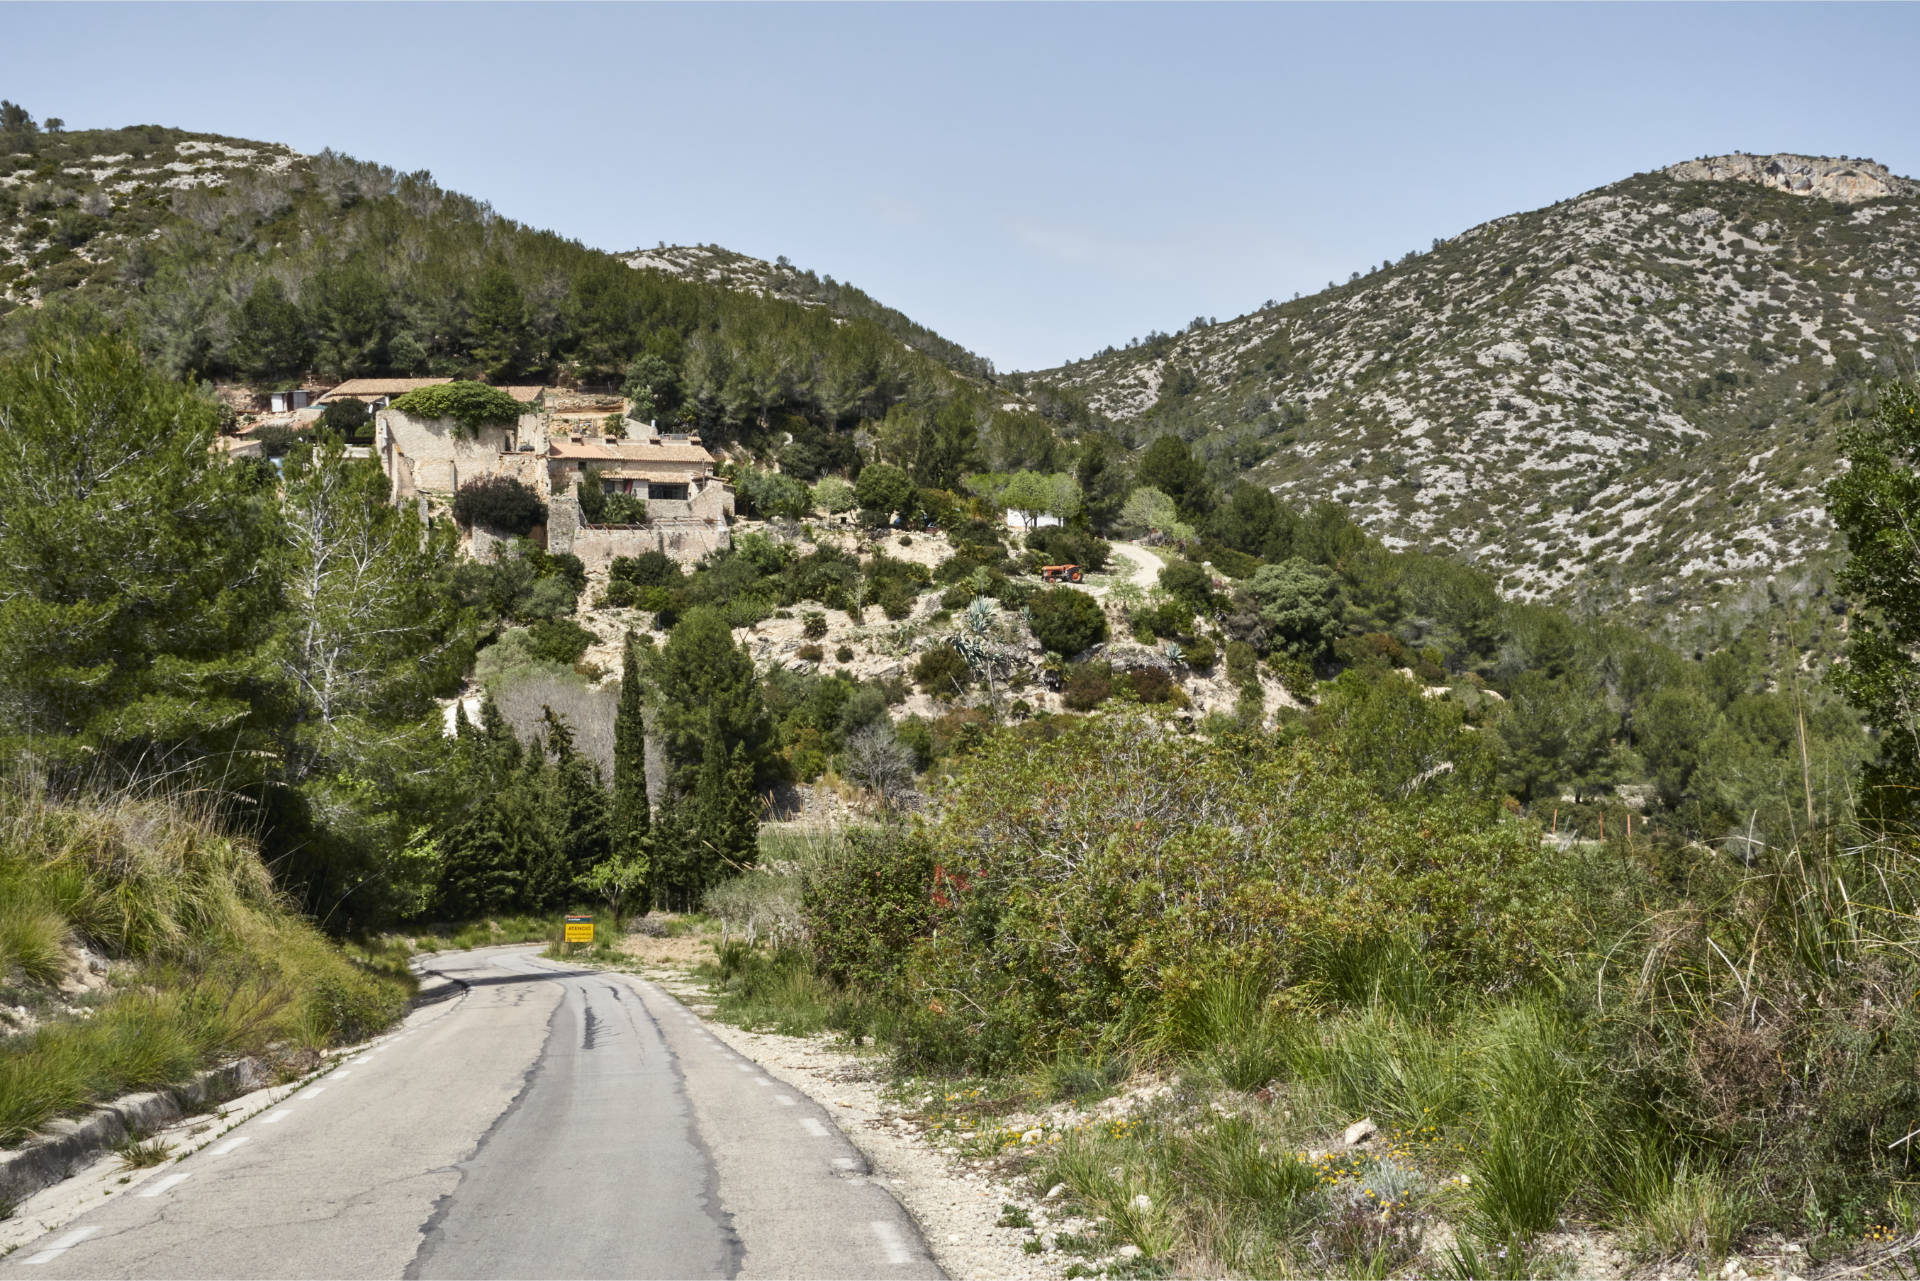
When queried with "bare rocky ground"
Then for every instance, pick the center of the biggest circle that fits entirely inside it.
(884, 649)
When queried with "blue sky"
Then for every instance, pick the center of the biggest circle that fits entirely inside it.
(1033, 181)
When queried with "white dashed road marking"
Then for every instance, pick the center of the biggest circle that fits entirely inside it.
(63, 1245)
(161, 1185)
(814, 1127)
(276, 1118)
(784, 1100)
(230, 1145)
(890, 1241)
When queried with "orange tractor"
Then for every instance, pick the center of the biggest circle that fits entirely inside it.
(1061, 573)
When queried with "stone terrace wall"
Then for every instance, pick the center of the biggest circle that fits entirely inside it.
(685, 541)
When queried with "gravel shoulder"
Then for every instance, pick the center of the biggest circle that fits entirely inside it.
(958, 1207)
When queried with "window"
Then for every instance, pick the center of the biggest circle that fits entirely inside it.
(672, 493)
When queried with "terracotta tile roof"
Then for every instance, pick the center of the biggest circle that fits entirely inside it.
(627, 451)
(357, 387)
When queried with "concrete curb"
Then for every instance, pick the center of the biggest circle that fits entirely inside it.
(68, 1146)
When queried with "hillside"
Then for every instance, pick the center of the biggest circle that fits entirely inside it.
(781, 279)
(1629, 396)
(90, 214)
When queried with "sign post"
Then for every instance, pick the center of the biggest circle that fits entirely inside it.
(579, 929)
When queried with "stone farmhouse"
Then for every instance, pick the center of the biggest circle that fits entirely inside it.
(689, 508)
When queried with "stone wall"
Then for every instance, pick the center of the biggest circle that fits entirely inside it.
(685, 541)
(435, 456)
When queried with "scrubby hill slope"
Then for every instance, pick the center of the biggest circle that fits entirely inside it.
(1631, 395)
(783, 280)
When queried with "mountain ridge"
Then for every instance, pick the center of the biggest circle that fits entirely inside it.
(1582, 397)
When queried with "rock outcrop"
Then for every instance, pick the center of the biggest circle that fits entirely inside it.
(1842, 180)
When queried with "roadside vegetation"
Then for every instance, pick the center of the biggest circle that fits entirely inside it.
(1372, 994)
(141, 940)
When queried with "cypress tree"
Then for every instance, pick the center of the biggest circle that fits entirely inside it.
(675, 874)
(729, 812)
(579, 812)
(631, 813)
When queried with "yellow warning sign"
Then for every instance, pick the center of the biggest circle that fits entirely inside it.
(579, 929)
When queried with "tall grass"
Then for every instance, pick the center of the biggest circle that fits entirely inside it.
(206, 959)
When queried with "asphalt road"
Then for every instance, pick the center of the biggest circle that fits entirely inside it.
(547, 1122)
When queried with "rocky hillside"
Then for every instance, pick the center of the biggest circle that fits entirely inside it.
(780, 279)
(73, 205)
(1630, 396)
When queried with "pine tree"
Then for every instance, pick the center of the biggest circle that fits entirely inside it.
(132, 606)
(271, 339)
(707, 684)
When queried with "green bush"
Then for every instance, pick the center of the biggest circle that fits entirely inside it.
(1067, 621)
(1087, 686)
(942, 672)
(500, 503)
(1049, 940)
(558, 640)
(866, 902)
(1199, 654)
(207, 961)
(648, 569)
(472, 405)
(1151, 684)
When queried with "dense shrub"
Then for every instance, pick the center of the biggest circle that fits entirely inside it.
(767, 494)
(1199, 653)
(648, 569)
(1066, 621)
(500, 503)
(1087, 686)
(348, 417)
(1167, 620)
(1188, 583)
(472, 405)
(1151, 684)
(942, 672)
(882, 491)
(866, 903)
(558, 640)
(1264, 859)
